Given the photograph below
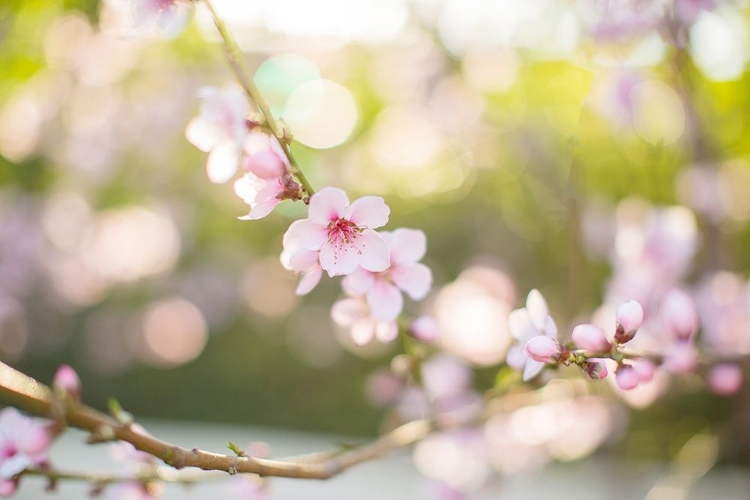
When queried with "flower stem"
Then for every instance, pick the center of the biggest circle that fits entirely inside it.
(242, 73)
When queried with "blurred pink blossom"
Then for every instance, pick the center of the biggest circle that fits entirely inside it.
(425, 328)
(526, 323)
(67, 379)
(679, 314)
(382, 290)
(220, 130)
(355, 315)
(680, 357)
(343, 232)
(166, 18)
(645, 370)
(725, 379)
(23, 443)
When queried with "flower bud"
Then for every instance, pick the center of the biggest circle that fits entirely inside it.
(645, 370)
(544, 349)
(725, 379)
(681, 357)
(679, 315)
(626, 377)
(595, 369)
(425, 328)
(67, 379)
(591, 338)
(629, 317)
(264, 156)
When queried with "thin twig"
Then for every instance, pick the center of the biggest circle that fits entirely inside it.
(242, 73)
(25, 393)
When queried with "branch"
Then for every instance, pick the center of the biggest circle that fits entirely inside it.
(25, 393)
(241, 72)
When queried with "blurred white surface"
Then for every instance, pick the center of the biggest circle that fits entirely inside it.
(393, 477)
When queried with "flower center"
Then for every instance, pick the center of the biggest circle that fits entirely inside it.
(342, 230)
(8, 451)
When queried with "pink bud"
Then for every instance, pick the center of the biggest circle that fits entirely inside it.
(425, 328)
(678, 314)
(591, 338)
(629, 317)
(67, 379)
(680, 357)
(544, 349)
(8, 487)
(626, 377)
(725, 379)
(645, 370)
(264, 156)
(595, 369)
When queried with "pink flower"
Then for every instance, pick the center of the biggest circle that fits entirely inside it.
(67, 379)
(262, 195)
(591, 338)
(629, 316)
(265, 158)
(383, 289)
(688, 11)
(342, 232)
(544, 349)
(220, 130)
(679, 314)
(306, 263)
(23, 443)
(526, 323)
(354, 314)
(725, 379)
(680, 357)
(164, 18)
(626, 377)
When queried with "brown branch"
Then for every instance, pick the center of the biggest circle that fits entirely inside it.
(25, 393)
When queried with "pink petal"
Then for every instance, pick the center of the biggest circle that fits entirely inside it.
(414, 279)
(173, 20)
(7, 487)
(260, 210)
(303, 261)
(517, 357)
(520, 325)
(385, 301)
(371, 251)
(407, 246)
(309, 280)
(358, 282)
(223, 161)
(13, 465)
(338, 258)
(368, 211)
(327, 204)
(304, 235)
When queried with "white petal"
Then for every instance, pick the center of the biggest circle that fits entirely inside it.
(358, 282)
(309, 280)
(327, 204)
(371, 251)
(260, 210)
(520, 325)
(550, 328)
(414, 279)
(386, 331)
(385, 301)
(532, 369)
(346, 312)
(369, 211)
(363, 331)
(407, 246)
(517, 356)
(537, 308)
(13, 465)
(203, 134)
(223, 161)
